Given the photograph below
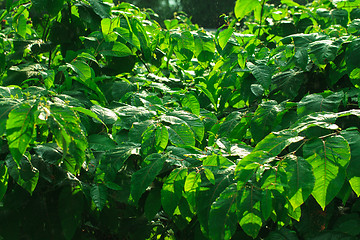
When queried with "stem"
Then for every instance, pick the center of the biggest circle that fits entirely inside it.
(143, 62)
(261, 16)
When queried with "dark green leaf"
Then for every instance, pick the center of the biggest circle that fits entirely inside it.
(98, 195)
(23, 172)
(317, 103)
(70, 208)
(100, 8)
(152, 204)
(262, 73)
(181, 135)
(323, 51)
(222, 218)
(106, 115)
(142, 178)
(288, 83)
(264, 119)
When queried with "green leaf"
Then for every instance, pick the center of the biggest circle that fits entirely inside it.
(244, 7)
(323, 51)
(301, 180)
(183, 45)
(154, 139)
(106, 27)
(106, 115)
(191, 187)
(100, 8)
(251, 224)
(262, 73)
(6, 105)
(266, 204)
(115, 49)
(142, 178)
(247, 166)
(207, 93)
(287, 83)
(89, 113)
(354, 27)
(128, 36)
(191, 102)
(181, 135)
(352, 53)
(116, 157)
(283, 233)
(329, 158)
(235, 125)
(317, 103)
(152, 204)
(249, 207)
(172, 190)
(98, 194)
(204, 48)
(264, 119)
(70, 208)
(20, 127)
(68, 134)
(82, 69)
(21, 26)
(216, 162)
(191, 120)
(353, 138)
(4, 177)
(323, 120)
(207, 196)
(222, 218)
(23, 172)
(52, 7)
(275, 142)
(209, 175)
(224, 36)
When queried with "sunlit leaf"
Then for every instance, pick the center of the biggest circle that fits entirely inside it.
(329, 158)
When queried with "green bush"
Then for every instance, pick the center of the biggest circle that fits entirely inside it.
(113, 127)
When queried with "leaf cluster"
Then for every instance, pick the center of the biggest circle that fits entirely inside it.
(112, 127)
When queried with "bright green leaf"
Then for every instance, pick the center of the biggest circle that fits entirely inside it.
(329, 158)
(301, 180)
(4, 177)
(244, 7)
(20, 127)
(172, 190)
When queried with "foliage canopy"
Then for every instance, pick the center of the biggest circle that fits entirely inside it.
(115, 128)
